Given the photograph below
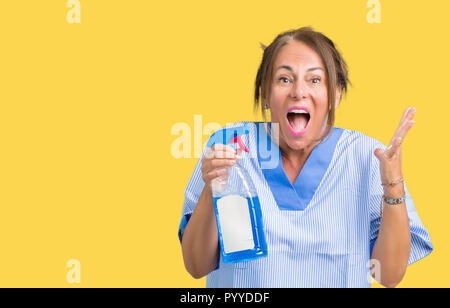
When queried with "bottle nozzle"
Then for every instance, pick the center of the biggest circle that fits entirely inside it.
(241, 144)
(230, 136)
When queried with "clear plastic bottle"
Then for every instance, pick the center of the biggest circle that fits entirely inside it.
(237, 206)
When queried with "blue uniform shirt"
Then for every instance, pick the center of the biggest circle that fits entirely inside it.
(320, 230)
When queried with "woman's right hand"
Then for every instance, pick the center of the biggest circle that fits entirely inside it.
(216, 162)
(200, 242)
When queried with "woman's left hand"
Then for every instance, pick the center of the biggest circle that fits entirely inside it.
(391, 159)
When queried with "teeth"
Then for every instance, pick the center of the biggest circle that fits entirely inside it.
(299, 111)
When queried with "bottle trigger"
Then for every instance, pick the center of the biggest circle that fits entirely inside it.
(241, 144)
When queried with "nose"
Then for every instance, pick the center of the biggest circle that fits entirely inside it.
(299, 89)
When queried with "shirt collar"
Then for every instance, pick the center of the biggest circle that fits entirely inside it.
(297, 196)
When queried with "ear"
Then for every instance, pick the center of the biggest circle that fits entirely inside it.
(338, 96)
(264, 104)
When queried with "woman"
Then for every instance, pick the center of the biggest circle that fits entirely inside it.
(335, 207)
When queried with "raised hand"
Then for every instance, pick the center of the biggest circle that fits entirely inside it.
(391, 158)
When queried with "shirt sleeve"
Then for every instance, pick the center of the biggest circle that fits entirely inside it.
(420, 239)
(192, 193)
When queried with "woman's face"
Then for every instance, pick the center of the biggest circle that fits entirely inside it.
(298, 100)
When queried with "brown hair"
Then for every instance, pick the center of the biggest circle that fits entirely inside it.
(335, 68)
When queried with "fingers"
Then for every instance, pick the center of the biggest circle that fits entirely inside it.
(209, 164)
(379, 153)
(216, 163)
(222, 147)
(393, 148)
(217, 160)
(405, 124)
(409, 114)
(209, 176)
(220, 151)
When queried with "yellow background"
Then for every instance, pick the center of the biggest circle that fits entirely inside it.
(86, 111)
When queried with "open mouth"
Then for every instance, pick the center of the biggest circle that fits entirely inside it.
(298, 119)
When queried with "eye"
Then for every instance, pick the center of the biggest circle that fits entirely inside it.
(316, 79)
(283, 79)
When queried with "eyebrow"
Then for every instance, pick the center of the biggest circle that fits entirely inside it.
(292, 70)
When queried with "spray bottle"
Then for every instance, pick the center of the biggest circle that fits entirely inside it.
(236, 204)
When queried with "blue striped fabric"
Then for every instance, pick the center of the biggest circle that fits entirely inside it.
(327, 243)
